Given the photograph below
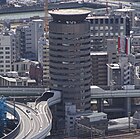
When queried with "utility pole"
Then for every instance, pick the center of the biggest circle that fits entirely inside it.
(129, 114)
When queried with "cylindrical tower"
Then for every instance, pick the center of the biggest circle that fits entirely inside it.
(69, 55)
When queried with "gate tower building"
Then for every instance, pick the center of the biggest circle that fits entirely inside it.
(69, 55)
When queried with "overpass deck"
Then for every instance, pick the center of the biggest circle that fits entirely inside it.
(97, 92)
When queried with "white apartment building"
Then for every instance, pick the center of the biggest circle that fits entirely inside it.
(125, 70)
(28, 37)
(7, 51)
(37, 31)
(120, 73)
(114, 74)
(22, 67)
(43, 58)
(41, 43)
(12, 79)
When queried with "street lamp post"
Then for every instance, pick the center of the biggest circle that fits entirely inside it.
(129, 114)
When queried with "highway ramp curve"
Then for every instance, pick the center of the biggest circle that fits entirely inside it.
(35, 123)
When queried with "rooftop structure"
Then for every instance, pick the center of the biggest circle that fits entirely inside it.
(12, 79)
(69, 15)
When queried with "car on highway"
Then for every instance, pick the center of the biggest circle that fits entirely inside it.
(27, 111)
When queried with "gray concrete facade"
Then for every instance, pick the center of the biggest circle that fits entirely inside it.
(107, 27)
(70, 63)
(99, 68)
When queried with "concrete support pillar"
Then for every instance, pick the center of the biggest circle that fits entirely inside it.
(100, 105)
(128, 106)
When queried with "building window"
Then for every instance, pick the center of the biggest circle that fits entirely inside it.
(106, 27)
(7, 57)
(71, 122)
(7, 70)
(101, 21)
(121, 27)
(91, 28)
(96, 34)
(91, 21)
(96, 28)
(111, 34)
(106, 21)
(82, 104)
(7, 66)
(121, 20)
(111, 27)
(111, 21)
(106, 34)
(7, 48)
(116, 34)
(116, 21)
(101, 34)
(96, 21)
(7, 52)
(101, 28)
(7, 61)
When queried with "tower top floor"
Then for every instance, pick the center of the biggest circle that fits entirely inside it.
(64, 15)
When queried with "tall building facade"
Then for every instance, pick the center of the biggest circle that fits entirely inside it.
(127, 12)
(112, 51)
(107, 27)
(99, 68)
(70, 63)
(7, 51)
(28, 37)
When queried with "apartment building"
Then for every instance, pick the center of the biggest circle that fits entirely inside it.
(7, 51)
(114, 75)
(107, 27)
(80, 124)
(112, 51)
(12, 79)
(43, 58)
(28, 37)
(99, 68)
(127, 12)
(120, 73)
